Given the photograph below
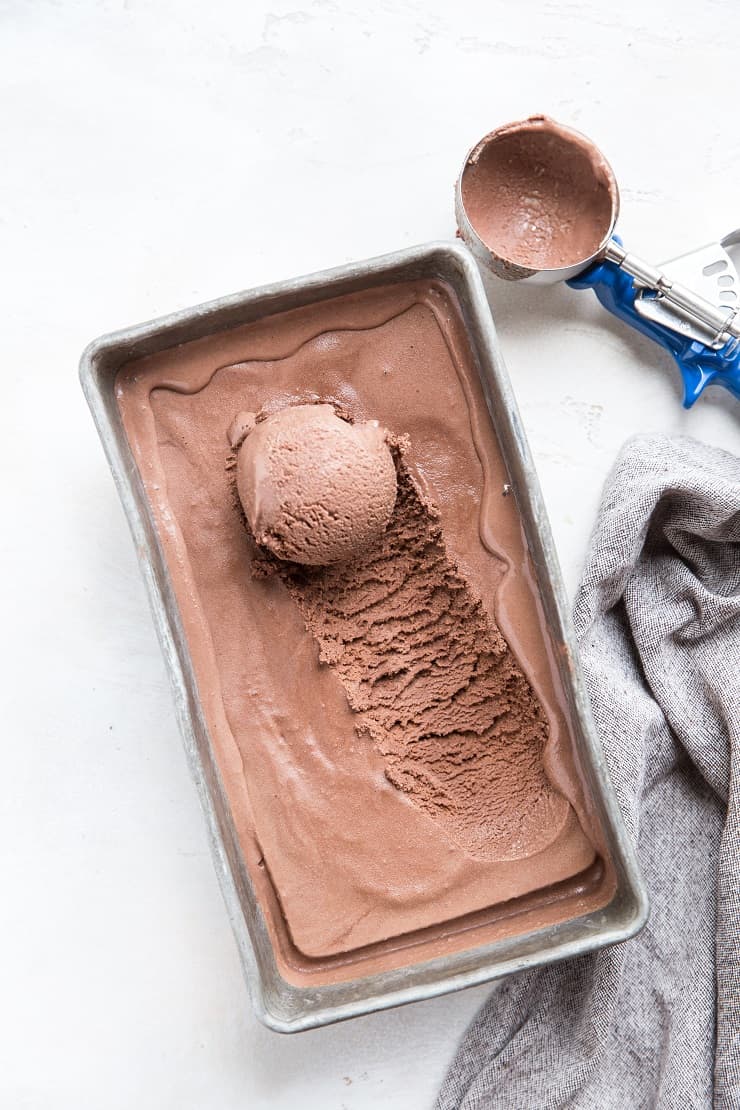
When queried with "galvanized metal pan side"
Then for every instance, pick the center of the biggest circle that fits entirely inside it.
(279, 1004)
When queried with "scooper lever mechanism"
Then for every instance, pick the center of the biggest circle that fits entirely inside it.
(690, 306)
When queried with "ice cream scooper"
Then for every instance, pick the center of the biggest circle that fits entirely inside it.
(536, 201)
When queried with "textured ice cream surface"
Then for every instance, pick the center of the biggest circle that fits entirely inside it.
(433, 683)
(315, 488)
(353, 873)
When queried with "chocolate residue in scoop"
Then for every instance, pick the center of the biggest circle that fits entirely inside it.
(539, 195)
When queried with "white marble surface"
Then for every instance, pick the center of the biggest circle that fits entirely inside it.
(156, 154)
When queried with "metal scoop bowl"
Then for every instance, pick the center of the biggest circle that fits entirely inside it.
(536, 201)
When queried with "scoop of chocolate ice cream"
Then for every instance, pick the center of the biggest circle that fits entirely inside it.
(315, 488)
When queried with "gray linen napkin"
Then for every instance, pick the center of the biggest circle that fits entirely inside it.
(653, 1022)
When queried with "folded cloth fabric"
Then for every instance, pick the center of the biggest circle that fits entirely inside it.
(653, 1022)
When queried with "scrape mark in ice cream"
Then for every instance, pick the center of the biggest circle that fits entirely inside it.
(434, 686)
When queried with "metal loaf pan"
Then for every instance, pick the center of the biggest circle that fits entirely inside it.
(279, 1004)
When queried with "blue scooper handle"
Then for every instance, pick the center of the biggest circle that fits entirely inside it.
(699, 364)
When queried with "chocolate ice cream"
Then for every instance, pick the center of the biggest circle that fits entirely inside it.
(393, 740)
(315, 489)
(432, 681)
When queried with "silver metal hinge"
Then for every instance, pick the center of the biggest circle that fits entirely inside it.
(708, 272)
